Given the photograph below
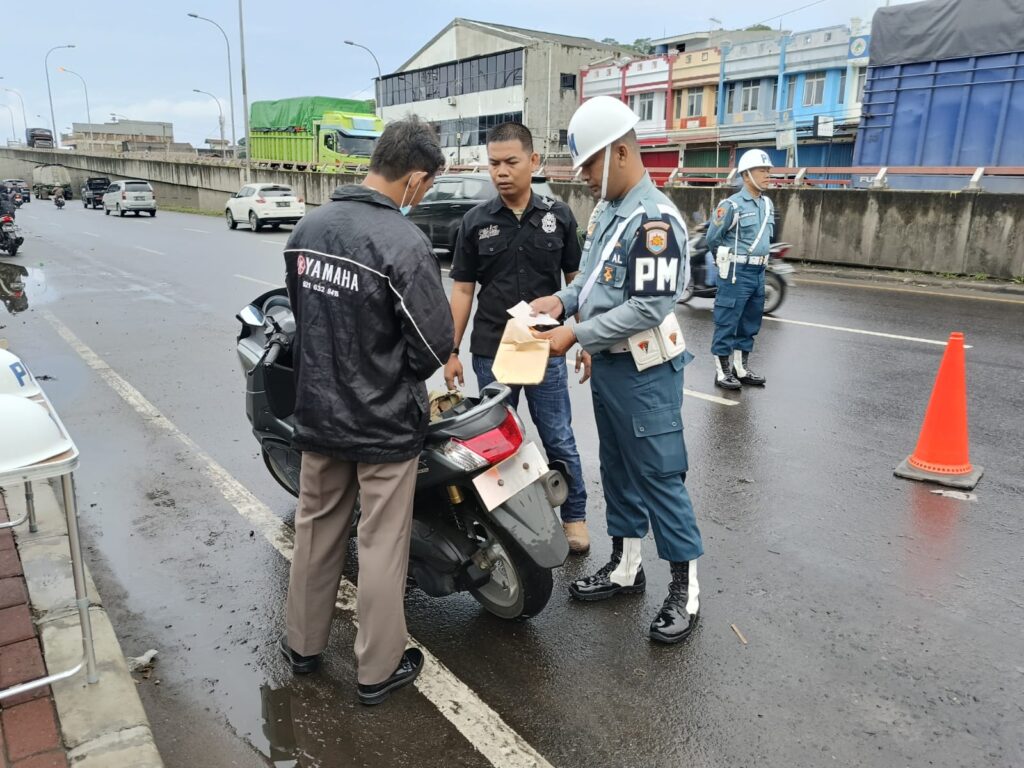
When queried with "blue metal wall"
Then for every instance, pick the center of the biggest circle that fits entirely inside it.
(957, 112)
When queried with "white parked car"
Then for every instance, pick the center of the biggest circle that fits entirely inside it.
(259, 204)
(130, 195)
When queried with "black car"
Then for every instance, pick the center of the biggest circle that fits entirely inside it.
(19, 185)
(92, 191)
(453, 194)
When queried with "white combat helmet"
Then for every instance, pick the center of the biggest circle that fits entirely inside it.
(15, 377)
(753, 158)
(594, 126)
(29, 435)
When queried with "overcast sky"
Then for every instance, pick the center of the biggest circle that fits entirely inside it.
(143, 59)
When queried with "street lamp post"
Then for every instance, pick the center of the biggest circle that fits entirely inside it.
(376, 95)
(231, 85)
(88, 112)
(49, 90)
(221, 119)
(245, 97)
(14, 131)
(24, 116)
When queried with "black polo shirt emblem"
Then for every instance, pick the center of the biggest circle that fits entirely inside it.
(549, 223)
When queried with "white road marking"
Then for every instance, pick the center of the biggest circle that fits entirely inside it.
(477, 722)
(944, 294)
(90, 234)
(940, 343)
(256, 280)
(200, 231)
(29, 216)
(150, 250)
(709, 398)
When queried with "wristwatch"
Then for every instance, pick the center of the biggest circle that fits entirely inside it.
(455, 352)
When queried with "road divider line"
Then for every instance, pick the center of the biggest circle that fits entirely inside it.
(709, 398)
(90, 234)
(475, 720)
(257, 280)
(200, 231)
(150, 250)
(937, 342)
(895, 289)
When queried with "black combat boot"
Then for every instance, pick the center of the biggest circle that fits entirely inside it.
(678, 614)
(623, 574)
(724, 377)
(746, 376)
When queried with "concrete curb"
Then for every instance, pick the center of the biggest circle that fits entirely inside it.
(863, 274)
(104, 724)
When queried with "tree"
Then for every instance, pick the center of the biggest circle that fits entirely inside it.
(642, 45)
(758, 28)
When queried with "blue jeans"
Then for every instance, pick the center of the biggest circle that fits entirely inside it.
(551, 412)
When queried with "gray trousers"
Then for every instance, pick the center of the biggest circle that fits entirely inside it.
(327, 497)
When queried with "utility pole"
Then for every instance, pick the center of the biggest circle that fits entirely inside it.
(245, 98)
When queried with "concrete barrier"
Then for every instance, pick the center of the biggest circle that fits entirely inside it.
(958, 232)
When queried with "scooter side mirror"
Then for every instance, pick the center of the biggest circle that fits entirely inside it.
(251, 316)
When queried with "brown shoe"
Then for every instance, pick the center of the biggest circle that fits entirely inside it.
(579, 538)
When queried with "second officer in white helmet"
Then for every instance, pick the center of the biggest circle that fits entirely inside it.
(739, 237)
(634, 268)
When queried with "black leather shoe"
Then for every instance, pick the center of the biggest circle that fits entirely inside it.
(301, 665)
(673, 624)
(408, 669)
(724, 376)
(601, 587)
(745, 375)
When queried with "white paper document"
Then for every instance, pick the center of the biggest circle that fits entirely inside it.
(522, 311)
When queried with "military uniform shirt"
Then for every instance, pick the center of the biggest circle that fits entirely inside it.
(609, 312)
(750, 213)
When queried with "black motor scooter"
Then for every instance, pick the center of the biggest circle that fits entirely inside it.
(778, 275)
(483, 514)
(10, 236)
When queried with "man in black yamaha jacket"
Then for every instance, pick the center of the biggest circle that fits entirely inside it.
(372, 324)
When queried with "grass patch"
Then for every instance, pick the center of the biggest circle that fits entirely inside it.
(949, 275)
(176, 209)
(980, 276)
(1019, 279)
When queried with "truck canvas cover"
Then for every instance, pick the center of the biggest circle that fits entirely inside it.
(936, 30)
(290, 114)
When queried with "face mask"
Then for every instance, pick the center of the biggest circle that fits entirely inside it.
(403, 208)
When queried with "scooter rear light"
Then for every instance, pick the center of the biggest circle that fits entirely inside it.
(6, 220)
(780, 253)
(498, 444)
(462, 457)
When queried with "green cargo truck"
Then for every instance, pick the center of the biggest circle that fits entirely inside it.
(313, 132)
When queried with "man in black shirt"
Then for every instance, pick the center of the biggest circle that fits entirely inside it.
(517, 247)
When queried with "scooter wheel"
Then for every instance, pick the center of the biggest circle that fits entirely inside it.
(518, 588)
(774, 292)
(687, 293)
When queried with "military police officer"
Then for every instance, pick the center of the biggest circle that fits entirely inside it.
(633, 270)
(739, 237)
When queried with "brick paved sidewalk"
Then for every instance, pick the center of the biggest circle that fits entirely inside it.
(29, 733)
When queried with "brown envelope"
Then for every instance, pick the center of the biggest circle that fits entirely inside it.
(521, 358)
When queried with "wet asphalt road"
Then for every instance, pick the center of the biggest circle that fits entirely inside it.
(885, 624)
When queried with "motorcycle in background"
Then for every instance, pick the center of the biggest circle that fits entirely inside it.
(778, 275)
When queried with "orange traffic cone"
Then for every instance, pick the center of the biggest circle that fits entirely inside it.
(941, 455)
